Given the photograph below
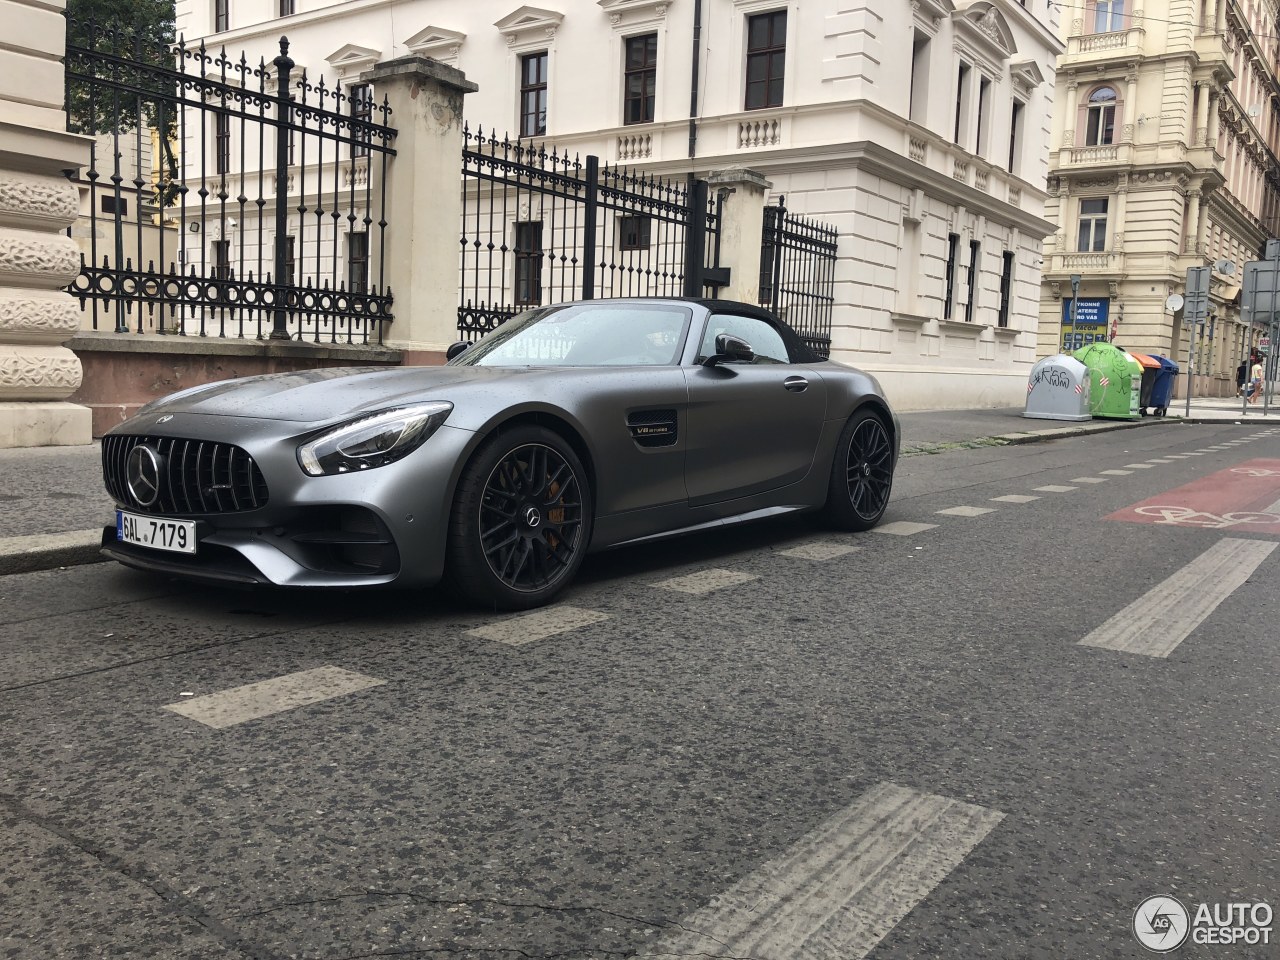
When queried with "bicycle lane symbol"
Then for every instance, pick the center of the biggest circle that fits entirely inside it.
(1244, 498)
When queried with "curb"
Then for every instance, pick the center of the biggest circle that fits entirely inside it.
(1058, 433)
(46, 551)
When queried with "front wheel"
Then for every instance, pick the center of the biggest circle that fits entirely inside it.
(861, 474)
(521, 520)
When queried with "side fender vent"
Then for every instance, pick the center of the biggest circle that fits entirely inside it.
(653, 428)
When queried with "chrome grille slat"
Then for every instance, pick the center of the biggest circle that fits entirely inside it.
(190, 477)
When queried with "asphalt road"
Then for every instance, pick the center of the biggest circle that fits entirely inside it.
(894, 747)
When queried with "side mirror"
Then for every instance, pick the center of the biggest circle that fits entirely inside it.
(731, 349)
(455, 349)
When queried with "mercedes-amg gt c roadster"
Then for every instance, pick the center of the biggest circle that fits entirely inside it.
(568, 429)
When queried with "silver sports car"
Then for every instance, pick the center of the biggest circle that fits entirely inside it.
(568, 429)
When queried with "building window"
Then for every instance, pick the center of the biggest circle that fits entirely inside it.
(1100, 124)
(1015, 136)
(962, 100)
(984, 118)
(919, 95)
(221, 143)
(286, 8)
(357, 261)
(222, 259)
(634, 233)
(289, 277)
(640, 79)
(533, 94)
(766, 59)
(953, 248)
(528, 250)
(975, 254)
(1108, 16)
(1093, 225)
(1006, 289)
(360, 100)
(114, 205)
(220, 17)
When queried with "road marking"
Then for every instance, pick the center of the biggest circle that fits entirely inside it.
(1195, 453)
(532, 627)
(835, 893)
(254, 701)
(965, 511)
(903, 528)
(1159, 620)
(1014, 498)
(1177, 456)
(1055, 488)
(1115, 473)
(1089, 480)
(1137, 466)
(705, 581)
(820, 551)
(1158, 461)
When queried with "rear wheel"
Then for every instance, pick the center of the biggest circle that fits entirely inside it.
(521, 520)
(861, 473)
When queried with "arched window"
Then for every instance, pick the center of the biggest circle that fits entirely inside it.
(1108, 16)
(1100, 122)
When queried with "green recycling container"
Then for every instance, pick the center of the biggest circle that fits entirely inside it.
(1115, 381)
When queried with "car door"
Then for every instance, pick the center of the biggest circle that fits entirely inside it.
(752, 427)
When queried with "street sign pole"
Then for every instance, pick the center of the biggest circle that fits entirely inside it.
(1273, 254)
(1194, 311)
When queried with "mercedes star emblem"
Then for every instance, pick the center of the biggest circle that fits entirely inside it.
(142, 474)
(532, 517)
(165, 419)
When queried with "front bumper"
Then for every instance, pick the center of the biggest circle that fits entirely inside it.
(381, 527)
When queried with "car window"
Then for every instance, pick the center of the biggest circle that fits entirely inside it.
(589, 334)
(764, 339)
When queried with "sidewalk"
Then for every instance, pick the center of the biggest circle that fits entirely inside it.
(53, 505)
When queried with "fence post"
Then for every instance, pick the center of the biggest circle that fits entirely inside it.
(695, 238)
(419, 250)
(284, 113)
(37, 258)
(589, 228)
(741, 230)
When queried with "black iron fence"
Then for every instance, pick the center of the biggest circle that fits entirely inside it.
(797, 273)
(542, 227)
(226, 198)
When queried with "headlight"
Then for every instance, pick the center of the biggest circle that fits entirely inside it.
(372, 441)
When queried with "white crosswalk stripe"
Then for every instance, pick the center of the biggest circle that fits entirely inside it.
(254, 701)
(1014, 498)
(837, 891)
(1115, 473)
(532, 627)
(1089, 480)
(1159, 620)
(903, 528)
(965, 511)
(1138, 466)
(1055, 488)
(705, 581)
(820, 551)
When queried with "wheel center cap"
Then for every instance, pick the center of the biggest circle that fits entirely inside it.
(532, 517)
(866, 469)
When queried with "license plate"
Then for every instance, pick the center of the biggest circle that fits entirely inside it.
(176, 536)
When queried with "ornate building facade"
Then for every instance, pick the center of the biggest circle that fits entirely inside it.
(1163, 158)
(918, 129)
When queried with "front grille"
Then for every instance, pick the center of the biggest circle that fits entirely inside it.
(196, 476)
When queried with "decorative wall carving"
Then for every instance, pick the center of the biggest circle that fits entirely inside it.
(38, 260)
(29, 197)
(38, 373)
(34, 319)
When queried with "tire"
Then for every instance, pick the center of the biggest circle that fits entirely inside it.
(861, 474)
(521, 521)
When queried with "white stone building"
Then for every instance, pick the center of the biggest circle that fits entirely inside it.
(919, 130)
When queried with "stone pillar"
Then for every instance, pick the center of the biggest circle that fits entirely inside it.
(741, 230)
(1069, 118)
(424, 200)
(1190, 245)
(1210, 24)
(1122, 197)
(1202, 116)
(1211, 137)
(37, 258)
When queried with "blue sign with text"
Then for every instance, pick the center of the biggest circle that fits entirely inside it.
(1090, 326)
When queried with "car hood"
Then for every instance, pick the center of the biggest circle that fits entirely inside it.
(317, 396)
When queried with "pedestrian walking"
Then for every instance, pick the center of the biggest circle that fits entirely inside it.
(1241, 379)
(1255, 379)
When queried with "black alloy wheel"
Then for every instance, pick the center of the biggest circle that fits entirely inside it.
(521, 521)
(861, 473)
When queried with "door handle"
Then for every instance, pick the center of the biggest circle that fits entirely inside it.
(796, 384)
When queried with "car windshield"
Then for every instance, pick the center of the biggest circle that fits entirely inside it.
(585, 335)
